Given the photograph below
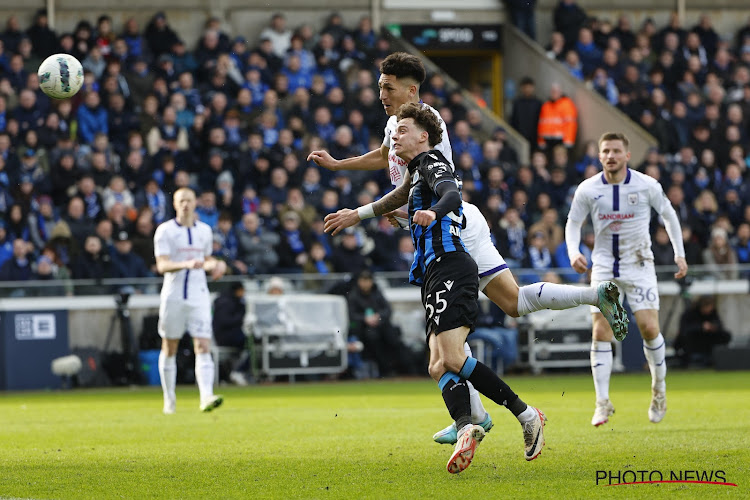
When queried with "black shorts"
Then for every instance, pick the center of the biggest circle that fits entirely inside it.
(450, 292)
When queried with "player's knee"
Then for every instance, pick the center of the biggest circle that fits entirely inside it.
(436, 369)
(454, 362)
(649, 329)
(202, 346)
(511, 310)
(602, 333)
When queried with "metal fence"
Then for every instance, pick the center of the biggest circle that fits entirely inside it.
(323, 283)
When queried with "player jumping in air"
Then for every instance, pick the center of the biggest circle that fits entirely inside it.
(400, 79)
(448, 277)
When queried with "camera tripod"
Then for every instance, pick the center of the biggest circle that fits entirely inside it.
(122, 367)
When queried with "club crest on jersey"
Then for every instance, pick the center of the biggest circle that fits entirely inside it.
(633, 199)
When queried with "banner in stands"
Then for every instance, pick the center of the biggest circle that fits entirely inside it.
(31, 340)
(450, 36)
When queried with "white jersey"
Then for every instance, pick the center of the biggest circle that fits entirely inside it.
(181, 243)
(621, 214)
(397, 166)
(476, 233)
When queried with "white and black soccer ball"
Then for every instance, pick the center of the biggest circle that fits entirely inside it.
(60, 76)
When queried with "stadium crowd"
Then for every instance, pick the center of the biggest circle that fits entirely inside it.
(85, 181)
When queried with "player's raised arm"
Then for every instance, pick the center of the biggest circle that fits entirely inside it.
(373, 160)
(346, 217)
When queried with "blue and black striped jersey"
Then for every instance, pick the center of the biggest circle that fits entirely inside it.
(427, 171)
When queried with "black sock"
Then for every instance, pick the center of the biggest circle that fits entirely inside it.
(456, 397)
(488, 383)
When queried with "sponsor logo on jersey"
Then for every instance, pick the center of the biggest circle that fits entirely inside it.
(616, 216)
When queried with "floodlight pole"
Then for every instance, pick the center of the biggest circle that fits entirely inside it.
(51, 14)
(375, 15)
(681, 11)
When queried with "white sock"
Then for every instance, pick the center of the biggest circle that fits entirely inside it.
(546, 295)
(601, 367)
(528, 414)
(168, 375)
(204, 375)
(478, 413)
(655, 355)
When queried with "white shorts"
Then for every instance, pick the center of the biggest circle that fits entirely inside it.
(476, 238)
(636, 283)
(178, 317)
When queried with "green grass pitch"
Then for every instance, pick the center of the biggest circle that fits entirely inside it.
(369, 440)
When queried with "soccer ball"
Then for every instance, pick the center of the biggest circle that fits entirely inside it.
(60, 76)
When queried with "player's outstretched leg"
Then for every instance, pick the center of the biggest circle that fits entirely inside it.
(469, 438)
(614, 313)
(488, 383)
(533, 434)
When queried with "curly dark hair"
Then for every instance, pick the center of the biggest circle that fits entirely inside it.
(423, 118)
(403, 65)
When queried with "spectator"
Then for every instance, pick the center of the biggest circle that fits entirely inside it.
(589, 53)
(557, 120)
(17, 267)
(549, 225)
(206, 210)
(142, 238)
(502, 340)
(720, 257)
(229, 250)
(256, 245)
(293, 244)
(44, 269)
(370, 322)
(117, 192)
(701, 330)
(318, 263)
(522, 16)
(43, 39)
(526, 109)
(539, 257)
(126, 263)
(159, 35)
(6, 244)
(228, 319)
(511, 238)
(93, 263)
(42, 221)
(17, 225)
(278, 34)
(92, 118)
(569, 17)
